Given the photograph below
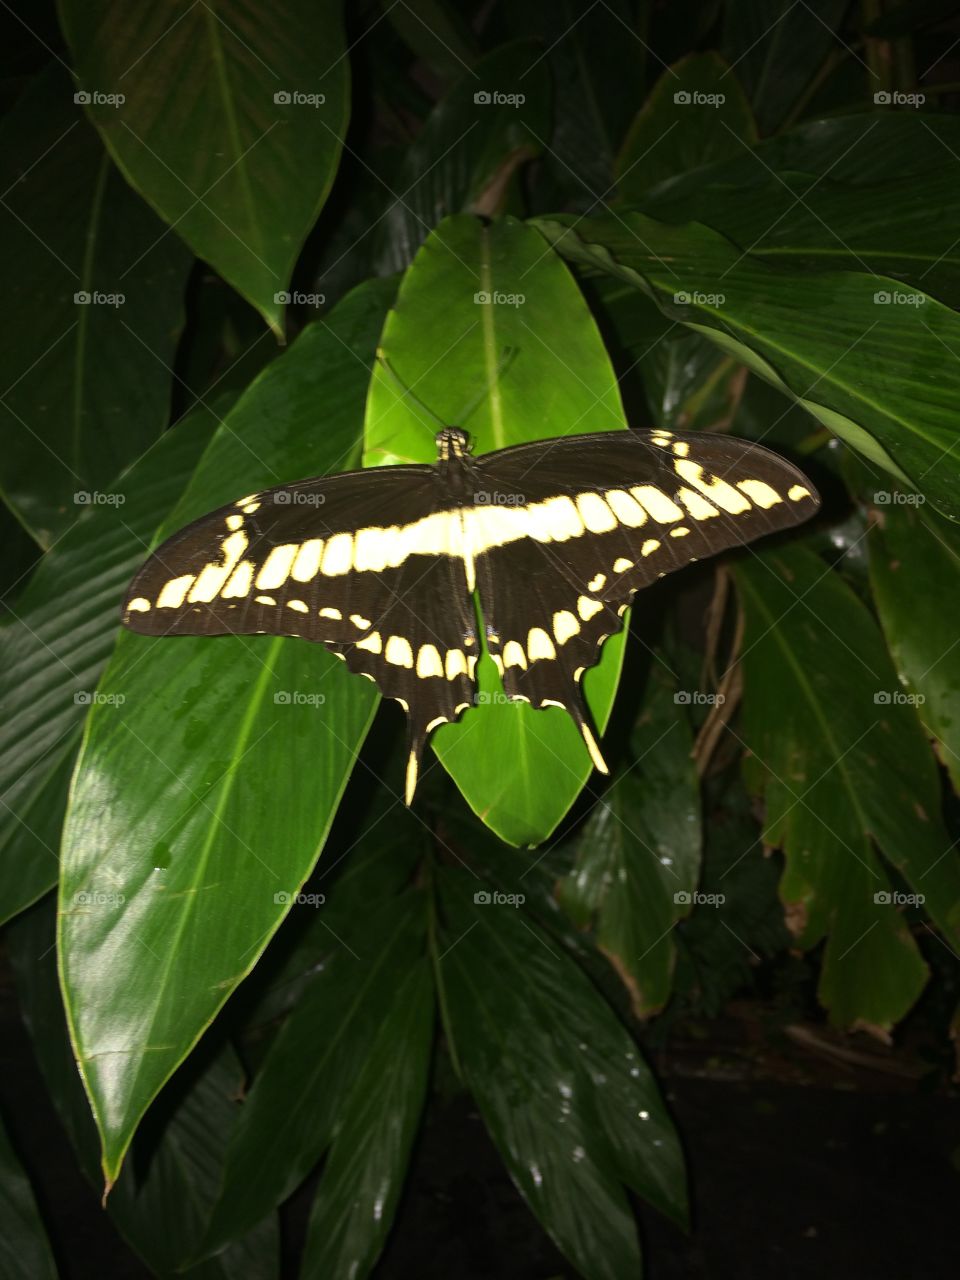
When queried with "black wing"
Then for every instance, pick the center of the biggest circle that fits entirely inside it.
(565, 532)
(364, 563)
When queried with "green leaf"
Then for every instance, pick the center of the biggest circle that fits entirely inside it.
(894, 228)
(436, 33)
(914, 561)
(463, 158)
(364, 1173)
(568, 1101)
(297, 1101)
(177, 1157)
(874, 373)
(638, 856)
(87, 385)
(230, 122)
(696, 113)
(24, 1247)
(843, 768)
(55, 647)
(200, 802)
(534, 358)
(777, 49)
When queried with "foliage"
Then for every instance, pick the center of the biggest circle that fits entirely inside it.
(714, 217)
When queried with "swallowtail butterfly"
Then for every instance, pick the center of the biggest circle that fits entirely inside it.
(555, 538)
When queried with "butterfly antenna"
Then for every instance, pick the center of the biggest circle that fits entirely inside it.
(405, 392)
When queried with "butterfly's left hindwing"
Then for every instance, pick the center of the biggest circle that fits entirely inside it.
(359, 563)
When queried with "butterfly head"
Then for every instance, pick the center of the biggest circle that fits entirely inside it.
(452, 443)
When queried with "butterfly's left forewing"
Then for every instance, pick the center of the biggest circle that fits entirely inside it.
(364, 563)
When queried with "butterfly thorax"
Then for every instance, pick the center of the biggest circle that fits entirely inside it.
(454, 461)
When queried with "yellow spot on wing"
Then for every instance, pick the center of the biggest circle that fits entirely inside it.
(276, 568)
(139, 605)
(251, 507)
(264, 600)
(174, 592)
(307, 561)
(234, 523)
(335, 614)
(298, 606)
(681, 448)
(338, 555)
(428, 662)
(398, 652)
(595, 756)
(211, 578)
(413, 770)
(679, 533)
(661, 508)
(595, 513)
(360, 621)
(717, 490)
(696, 505)
(372, 643)
(627, 510)
(565, 626)
(621, 565)
(797, 492)
(241, 580)
(597, 583)
(587, 607)
(539, 644)
(455, 664)
(513, 655)
(760, 492)
(649, 547)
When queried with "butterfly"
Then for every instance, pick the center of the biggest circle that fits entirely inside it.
(554, 538)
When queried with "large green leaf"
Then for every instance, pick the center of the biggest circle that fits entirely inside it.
(365, 1171)
(54, 650)
(24, 1247)
(638, 856)
(531, 360)
(201, 802)
(844, 768)
(898, 228)
(86, 383)
(696, 112)
(569, 1102)
(872, 371)
(177, 1158)
(493, 119)
(229, 122)
(296, 1103)
(915, 571)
